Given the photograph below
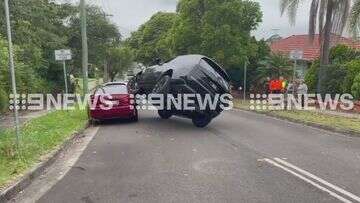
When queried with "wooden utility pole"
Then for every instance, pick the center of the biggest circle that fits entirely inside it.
(84, 46)
(12, 72)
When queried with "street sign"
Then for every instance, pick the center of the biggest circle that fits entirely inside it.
(63, 55)
(296, 55)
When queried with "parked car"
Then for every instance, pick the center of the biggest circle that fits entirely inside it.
(122, 106)
(194, 74)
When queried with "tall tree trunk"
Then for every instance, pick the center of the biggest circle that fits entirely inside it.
(326, 35)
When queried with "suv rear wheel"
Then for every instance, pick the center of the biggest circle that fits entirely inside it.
(201, 121)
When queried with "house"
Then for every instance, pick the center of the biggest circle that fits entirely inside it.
(310, 49)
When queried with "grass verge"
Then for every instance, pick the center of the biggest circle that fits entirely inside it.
(38, 137)
(310, 117)
(92, 83)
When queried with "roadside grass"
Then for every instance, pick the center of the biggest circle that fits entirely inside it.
(309, 117)
(38, 137)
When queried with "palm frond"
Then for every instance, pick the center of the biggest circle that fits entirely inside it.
(322, 13)
(313, 18)
(341, 15)
(354, 24)
(290, 7)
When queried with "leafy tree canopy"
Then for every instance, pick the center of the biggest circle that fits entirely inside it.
(149, 41)
(120, 59)
(219, 29)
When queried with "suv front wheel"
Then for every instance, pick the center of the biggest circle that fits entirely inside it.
(164, 114)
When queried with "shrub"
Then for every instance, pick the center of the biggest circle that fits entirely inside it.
(332, 79)
(4, 100)
(355, 89)
(329, 80)
(311, 76)
(352, 70)
(342, 54)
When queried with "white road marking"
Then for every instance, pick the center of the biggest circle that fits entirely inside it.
(336, 188)
(308, 181)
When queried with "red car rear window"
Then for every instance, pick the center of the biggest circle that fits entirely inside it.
(113, 89)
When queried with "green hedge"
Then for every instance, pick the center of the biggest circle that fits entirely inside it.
(4, 100)
(329, 80)
(352, 70)
(311, 77)
(355, 89)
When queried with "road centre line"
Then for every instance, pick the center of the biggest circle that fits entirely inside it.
(342, 199)
(324, 182)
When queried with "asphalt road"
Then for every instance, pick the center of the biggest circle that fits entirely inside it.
(232, 160)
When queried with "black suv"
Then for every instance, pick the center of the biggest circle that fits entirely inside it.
(188, 74)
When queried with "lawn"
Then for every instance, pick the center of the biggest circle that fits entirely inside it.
(311, 117)
(38, 137)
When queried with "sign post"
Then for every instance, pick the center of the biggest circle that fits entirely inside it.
(296, 55)
(63, 55)
(65, 77)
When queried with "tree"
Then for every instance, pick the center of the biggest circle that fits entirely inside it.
(355, 19)
(333, 81)
(352, 70)
(4, 100)
(120, 59)
(42, 26)
(255, 62)
(275, 66)
(355, 89)
(341, 54)
(38, 29)
(27, 79)
(218, 29)
(101, 34)
(331, 16)
(215, 28)
(150, 41)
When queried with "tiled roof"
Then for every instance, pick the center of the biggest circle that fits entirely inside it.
(311, 50)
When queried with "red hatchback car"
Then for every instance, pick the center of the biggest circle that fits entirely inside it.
(112, 101)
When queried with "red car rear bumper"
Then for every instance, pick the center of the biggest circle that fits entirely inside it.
(115, 112)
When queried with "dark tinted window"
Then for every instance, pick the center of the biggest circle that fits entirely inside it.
(113, 89)
(213, 68)
(205, 65)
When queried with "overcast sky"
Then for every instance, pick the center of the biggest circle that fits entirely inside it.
(130, 14)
